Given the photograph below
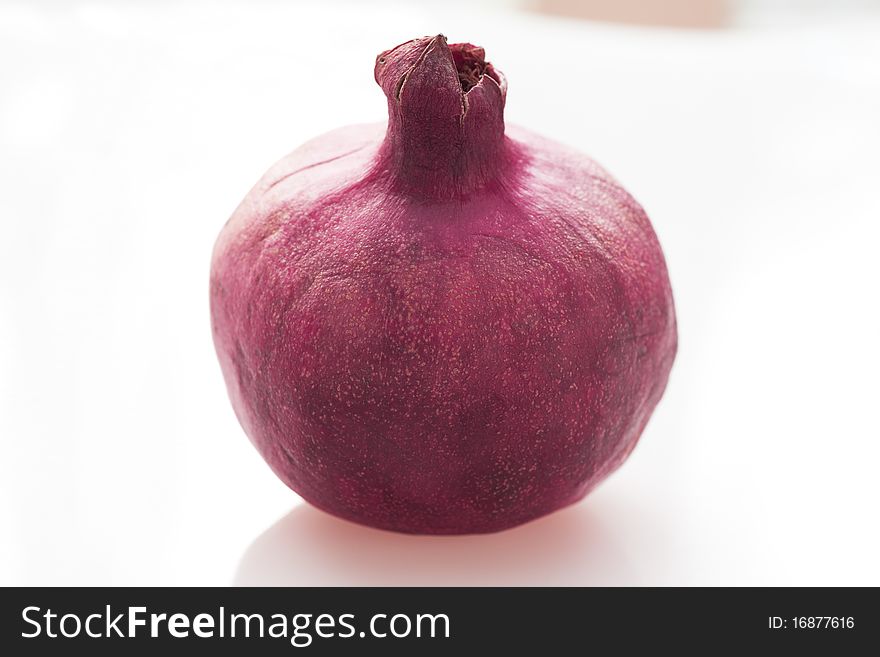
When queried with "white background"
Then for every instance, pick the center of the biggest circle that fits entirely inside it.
(129, 133)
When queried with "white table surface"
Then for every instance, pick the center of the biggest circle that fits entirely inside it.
(128, 134)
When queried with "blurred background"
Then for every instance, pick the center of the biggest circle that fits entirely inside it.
(129, 131)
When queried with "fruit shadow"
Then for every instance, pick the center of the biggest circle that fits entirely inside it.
(308, 547)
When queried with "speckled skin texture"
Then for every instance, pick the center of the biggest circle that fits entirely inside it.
(441, 326)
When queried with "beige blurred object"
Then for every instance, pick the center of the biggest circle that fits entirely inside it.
(670, 13)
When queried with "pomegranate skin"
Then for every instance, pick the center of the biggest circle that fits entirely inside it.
(442, 326)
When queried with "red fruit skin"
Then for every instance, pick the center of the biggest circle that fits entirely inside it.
(445, 327)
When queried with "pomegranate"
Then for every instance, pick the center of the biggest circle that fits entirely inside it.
(441, 325)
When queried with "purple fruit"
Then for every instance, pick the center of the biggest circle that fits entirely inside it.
(441, 327)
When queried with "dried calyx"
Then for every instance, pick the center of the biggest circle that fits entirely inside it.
(445, 116)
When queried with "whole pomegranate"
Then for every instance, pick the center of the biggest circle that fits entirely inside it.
(441, 326)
